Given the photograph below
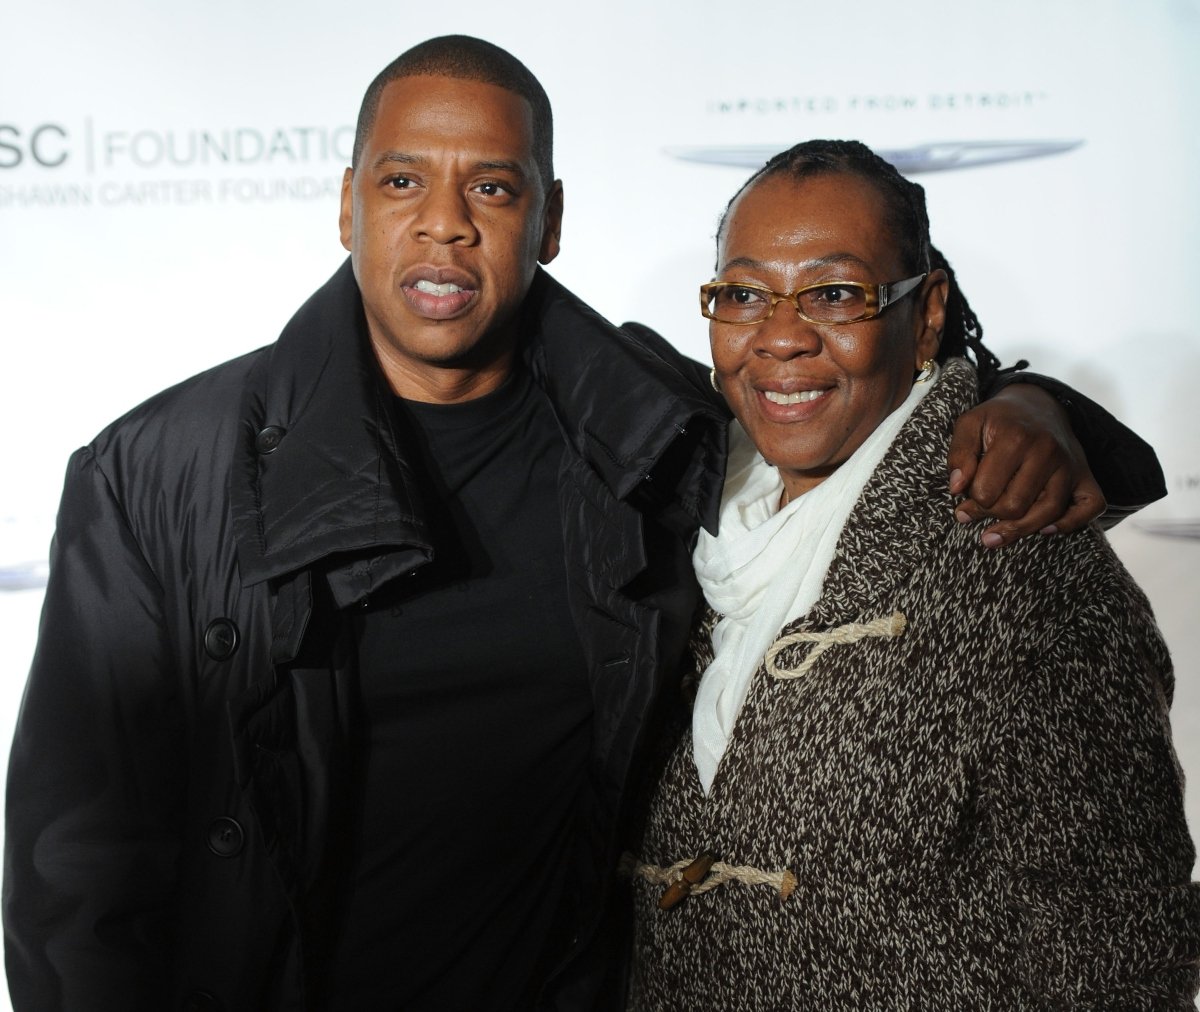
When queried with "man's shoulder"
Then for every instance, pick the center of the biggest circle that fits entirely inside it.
(653, 341)
(197, 401)
(195, 407)
(192, 421)
(577, 337)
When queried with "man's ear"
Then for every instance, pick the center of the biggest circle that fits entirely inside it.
(552, 223)
(346, 214)
(930, 320)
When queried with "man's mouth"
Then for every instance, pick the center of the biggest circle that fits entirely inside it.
(438, 293)
(431, 289)
(799, 397)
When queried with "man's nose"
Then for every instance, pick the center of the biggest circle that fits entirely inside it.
(445, 217)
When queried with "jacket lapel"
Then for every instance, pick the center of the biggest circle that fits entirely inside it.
(319, 473)
(905, 508)
(625, 399)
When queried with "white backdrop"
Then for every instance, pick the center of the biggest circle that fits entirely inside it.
(168, 180)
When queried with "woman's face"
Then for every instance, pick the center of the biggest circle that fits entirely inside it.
(810, 394)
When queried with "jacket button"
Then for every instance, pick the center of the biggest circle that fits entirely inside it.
(200, 1001)
(269, 439)
(221, 639)
(225, 837)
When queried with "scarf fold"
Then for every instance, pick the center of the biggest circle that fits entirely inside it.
(766, 568)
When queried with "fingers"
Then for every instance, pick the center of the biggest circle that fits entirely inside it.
(1087, 504)
(1013, 475)
(1015, 459)
(966, 446)
(1060, 508)
(1019, 519)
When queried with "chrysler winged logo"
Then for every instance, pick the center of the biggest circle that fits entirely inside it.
(934, 157)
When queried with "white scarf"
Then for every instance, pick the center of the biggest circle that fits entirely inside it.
(766, 568)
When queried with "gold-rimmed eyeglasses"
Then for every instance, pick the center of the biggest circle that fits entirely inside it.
(834, 302)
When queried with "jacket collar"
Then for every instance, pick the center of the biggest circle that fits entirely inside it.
(335, 484)
(624, 396)
(320, 476)
(904, 510)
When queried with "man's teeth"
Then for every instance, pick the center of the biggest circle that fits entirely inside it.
(431, 289)
(796, 398)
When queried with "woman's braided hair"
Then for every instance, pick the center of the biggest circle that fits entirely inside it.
(908, 220)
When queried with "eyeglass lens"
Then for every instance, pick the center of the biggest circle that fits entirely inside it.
(834, 303)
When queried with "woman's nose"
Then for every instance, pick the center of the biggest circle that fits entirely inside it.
(786, 334)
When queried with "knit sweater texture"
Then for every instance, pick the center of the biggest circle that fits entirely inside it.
(982, 812)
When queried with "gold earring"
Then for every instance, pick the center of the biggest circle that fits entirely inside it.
(712, 378)
(926, 373)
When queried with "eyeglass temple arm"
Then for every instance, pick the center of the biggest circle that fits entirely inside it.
(890, 293)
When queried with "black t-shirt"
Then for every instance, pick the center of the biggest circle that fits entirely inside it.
(479, 713)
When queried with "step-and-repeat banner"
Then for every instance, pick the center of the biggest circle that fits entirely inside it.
(169, 178)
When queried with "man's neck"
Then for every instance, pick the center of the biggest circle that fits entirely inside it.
(435, 383)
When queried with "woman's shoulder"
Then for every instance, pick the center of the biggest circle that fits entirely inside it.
(1048, 597)
(1074, 567)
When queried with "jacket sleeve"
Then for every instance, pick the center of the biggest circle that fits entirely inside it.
(1124, 464)
(96, 776)
(1091, 835)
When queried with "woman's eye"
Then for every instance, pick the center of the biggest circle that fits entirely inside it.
(739, 296)
(836, 294)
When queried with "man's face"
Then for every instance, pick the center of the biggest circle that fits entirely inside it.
(446, 218)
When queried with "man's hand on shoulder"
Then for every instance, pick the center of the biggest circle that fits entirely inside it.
(1014, 458)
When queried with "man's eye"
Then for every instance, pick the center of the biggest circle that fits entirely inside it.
(493, 190)
(400, 183)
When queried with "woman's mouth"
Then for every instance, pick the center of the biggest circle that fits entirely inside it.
(792, 406)
(799, 397)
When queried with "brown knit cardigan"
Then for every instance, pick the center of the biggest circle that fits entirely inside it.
(983, 812)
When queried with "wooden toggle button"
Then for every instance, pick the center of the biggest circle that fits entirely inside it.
(693, 875)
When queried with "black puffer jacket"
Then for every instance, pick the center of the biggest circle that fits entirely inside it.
(178, 773)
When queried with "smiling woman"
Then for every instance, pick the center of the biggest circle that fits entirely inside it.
(808, 392)
(917, 774)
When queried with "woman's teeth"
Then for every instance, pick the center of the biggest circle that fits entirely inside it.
(796, 398)
(431, 289)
